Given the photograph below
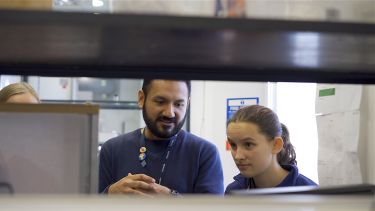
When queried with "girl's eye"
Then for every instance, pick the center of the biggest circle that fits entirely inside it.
(249, 145)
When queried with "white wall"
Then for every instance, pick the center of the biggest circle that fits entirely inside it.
(357, 11)
(341, 139)
(53, 88)
(208, 113)
(295, 106)
(165, 7)
(5, 80)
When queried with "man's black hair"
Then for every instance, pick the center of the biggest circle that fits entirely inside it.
(147, 82)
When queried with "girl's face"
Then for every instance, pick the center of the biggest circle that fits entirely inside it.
(252, 151)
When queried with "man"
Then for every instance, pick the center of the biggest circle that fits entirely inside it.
(160, 158)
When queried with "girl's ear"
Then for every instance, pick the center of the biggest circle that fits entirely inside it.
(278, 145)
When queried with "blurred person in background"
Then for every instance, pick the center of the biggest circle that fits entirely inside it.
(21, 92)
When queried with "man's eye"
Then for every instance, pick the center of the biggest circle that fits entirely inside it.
(180, 104)
(159, 102)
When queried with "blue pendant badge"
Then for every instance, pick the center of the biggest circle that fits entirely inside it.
(142, 156)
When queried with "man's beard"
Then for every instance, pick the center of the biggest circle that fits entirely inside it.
(151, 125)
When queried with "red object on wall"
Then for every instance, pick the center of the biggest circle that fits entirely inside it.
(236, 8)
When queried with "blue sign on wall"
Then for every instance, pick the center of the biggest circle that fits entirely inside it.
(234, 104)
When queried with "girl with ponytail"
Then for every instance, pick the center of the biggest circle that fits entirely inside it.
(262, 151)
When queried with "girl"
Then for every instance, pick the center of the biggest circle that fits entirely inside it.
(262, 151)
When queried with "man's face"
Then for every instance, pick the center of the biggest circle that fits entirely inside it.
(164, 108)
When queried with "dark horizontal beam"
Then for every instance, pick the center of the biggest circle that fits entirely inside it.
(197, 48)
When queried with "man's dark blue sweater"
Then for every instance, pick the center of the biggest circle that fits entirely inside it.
(193, 165)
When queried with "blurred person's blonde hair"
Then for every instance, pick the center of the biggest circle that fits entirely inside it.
(17, 88)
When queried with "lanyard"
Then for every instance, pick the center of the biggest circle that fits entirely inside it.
(142, 156)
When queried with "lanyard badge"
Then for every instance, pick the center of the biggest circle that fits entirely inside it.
(143, 154)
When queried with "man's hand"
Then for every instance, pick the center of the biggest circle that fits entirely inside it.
(159, 189)
(139, 184)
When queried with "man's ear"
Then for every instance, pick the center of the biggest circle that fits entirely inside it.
(278, 145)
(141, 98)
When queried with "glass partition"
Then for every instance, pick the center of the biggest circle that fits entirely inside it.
(328, 130)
